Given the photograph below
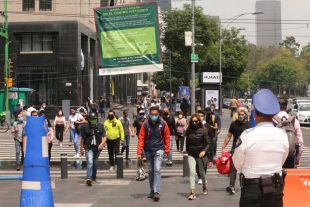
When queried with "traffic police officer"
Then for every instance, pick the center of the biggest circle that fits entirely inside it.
(259, 155)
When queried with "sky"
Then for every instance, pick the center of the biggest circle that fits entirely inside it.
(297, 10)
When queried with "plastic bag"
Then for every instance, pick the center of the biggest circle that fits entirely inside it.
(223, 163)
(141, 175)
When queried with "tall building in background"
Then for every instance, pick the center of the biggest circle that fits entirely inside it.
(268, 25)
(163, 4)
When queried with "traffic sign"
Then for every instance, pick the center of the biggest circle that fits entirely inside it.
(194, 58)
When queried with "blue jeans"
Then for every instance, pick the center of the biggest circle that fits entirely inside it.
(171, 145)
(126, 145)
(19, 150)
(75, 137)
(92, 156)
(154, 162)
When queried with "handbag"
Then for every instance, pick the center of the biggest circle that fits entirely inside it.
(141, 175)
(223, 163)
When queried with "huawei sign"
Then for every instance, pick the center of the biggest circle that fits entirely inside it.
(213, 77)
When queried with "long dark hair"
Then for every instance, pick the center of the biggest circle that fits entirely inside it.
(48, 122)
(190, 125)
(62, 113)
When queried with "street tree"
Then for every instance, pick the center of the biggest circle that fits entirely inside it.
(291, 44)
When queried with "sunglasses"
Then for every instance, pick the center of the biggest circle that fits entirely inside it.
(195, 122)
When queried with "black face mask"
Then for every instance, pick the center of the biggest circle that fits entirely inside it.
(111, 117)
(165, 113)
(195, 126)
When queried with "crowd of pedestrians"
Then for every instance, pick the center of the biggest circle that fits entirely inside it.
(157, 129)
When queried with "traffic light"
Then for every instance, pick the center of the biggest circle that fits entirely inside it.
(4, 81)
(11, 69)
(10, 82)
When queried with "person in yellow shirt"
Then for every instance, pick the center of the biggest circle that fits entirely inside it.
(115, 137)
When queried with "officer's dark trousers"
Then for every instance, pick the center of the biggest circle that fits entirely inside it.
(113, 148)
(290, 162)
(252, 196)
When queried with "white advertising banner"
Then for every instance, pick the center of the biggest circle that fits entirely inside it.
(211, 77)
(212, 97)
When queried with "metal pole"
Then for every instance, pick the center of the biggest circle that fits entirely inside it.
(63, 165)
(91, 84)
(6, 61)
(119, 164)
(193, 99)
(185, 165)
(221, 96)
(170, 86)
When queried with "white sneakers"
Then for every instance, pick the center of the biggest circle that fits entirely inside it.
(200, 181)
(76, 156)
(112, 169)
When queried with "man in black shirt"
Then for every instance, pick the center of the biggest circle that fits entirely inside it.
(169, 119)
(236, 128)
(211, 119)
(137, 123)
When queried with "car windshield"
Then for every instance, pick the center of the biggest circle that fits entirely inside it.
(304, 107)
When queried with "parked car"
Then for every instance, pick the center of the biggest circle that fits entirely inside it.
(302, 112)
(226, 103)
(242, 103)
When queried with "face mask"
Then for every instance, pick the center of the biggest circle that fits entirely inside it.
(241, 118)
(20, 119)
(212, 110)
(165, 113)
(141, 116)
(46, 123)
(196, 126)
(180, 116)
(93, 121)
(201, 118)
(154, 118)
(59, 114)
(125, 117)
(111, 117)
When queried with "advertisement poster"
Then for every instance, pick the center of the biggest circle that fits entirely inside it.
(128, 39)
(212, 97)
(184, 92)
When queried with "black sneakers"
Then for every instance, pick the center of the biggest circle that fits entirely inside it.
(230, 190)
(151, 195)
(156, 197)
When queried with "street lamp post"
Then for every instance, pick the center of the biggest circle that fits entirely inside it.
(220, 42)
(193, 99)
(170, 100)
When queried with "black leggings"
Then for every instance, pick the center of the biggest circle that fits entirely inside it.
(50, 151)
(59, 132)
(180, 143)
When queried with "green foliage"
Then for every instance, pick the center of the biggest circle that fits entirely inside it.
(291, 44)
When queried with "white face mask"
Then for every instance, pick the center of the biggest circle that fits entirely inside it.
(180, 116)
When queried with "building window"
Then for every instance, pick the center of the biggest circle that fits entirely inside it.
(45, 5)
(38, 42)
(28, 5)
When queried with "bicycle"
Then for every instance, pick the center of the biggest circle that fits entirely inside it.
(4, 126)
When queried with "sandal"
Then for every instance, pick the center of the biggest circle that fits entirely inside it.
(205, 190)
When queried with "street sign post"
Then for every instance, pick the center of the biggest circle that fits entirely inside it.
(194, 58)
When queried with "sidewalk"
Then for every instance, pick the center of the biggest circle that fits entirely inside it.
(127, 192)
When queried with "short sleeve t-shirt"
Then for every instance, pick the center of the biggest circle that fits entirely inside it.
(74, 118)
(126, 124)
(138, 123)
(19, 134)
(236, 128)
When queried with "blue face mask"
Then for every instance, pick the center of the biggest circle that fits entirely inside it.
(154, 118)
(20, 119)
(125, 117)
(140, 116)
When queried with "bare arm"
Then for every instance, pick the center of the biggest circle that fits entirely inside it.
(226, 141)
(67, 127)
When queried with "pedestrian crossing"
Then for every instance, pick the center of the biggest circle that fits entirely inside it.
(7, 150)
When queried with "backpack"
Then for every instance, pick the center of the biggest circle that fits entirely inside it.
(141, 175)
(287, 124)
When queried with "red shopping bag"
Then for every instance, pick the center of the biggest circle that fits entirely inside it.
(223, 163)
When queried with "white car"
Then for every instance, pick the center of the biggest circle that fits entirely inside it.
(302, 112)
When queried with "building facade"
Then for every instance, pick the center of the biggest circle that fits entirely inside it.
(268, 24)
(162, 4)
(53, 46)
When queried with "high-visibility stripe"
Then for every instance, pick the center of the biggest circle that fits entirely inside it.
(31, 185)
(44, 147)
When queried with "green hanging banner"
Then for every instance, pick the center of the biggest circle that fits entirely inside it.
(128, 39)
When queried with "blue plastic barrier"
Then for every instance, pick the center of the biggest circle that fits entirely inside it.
(19, 177)
(36, 184)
